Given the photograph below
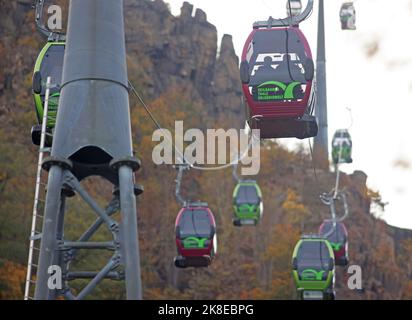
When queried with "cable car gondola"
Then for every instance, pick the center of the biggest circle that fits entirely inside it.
(195, 236)
(314, 268)
(247, 203)
(342, 147)
(277, 73)
(337, 235)
(293, 7)
(49, 63)
(348, 16)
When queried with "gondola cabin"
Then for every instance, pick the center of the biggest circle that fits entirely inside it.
(337, 235)
(247, 203)
(277, 73)
(49, 63)
(314, 268)
(342, 147)
(348, 16)
(195, 236)
(293, 7)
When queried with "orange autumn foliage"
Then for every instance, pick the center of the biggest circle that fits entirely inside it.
(12, 277)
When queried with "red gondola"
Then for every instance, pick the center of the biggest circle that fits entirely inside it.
(195, 236)
(277, 72)
(338, 238)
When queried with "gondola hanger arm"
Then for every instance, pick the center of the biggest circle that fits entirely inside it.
(180, 167)
(234, 172)
(330, 200)
(38, 5)
(290, 21)
(342, 197)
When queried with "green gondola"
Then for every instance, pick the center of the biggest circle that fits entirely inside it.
(314, 268)
(342, 147)
(348, 16)
(247, 203)
(49, 63)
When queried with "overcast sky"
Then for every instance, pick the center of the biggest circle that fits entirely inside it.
(368, 70)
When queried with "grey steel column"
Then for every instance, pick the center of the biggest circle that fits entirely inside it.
(48, 248)
(321, 150)
(93, 122)
(130, 239)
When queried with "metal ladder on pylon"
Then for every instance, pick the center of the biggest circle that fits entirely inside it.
(38, 206)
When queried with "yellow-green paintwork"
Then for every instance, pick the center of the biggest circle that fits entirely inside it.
(37, 99)
(313, 285)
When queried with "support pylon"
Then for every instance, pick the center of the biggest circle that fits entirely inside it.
(92, 138)
(321, 146)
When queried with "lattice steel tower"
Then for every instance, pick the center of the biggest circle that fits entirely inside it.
(92, 138)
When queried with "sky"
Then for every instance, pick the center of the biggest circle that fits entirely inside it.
(368, 70)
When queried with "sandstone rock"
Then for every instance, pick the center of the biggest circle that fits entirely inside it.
(200, 16)
(186, 10)
(178, 51)
(226, 82)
